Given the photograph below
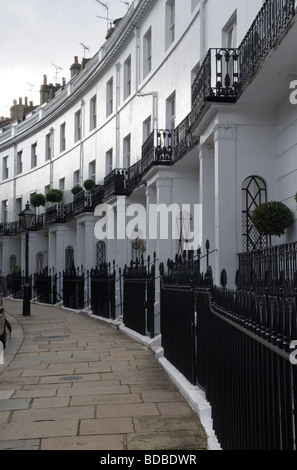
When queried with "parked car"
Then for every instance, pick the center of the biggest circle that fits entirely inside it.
(5, 327)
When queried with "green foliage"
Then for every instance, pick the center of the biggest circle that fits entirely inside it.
(38, 200)
(76, 189)
(54, 195)
(89, 184)
(17, 271)
(295, 197)
(272, 218)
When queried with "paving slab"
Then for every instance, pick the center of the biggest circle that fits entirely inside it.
(72, 382)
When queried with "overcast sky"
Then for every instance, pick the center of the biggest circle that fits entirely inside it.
(35, 34)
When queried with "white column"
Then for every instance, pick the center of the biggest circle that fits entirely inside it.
(207, 199)
(60, 250)
(80, 243)
(89, 245)
(151, 198)
(164, 196)
(51, 250)
(225, 201)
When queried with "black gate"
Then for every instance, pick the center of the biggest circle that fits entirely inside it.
(178, 313)
(73, 289)
(139, 296)
(45, 287)
(103, 291)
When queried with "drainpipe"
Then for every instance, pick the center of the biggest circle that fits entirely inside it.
(117, 115)
(81, 145)
(51, 156)
(136, 32)
(202, 30)
(154, 95)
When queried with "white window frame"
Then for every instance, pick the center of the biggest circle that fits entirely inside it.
(77, 126)
(127, 77)
(63, 137)
(147, 52)
(93, 113)
(5, 171)
(109, 97)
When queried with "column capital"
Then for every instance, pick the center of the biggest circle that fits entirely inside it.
(225, 132)
(206, 151)
(164, 183)
(149, 192)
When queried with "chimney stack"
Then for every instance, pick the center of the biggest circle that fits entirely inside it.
(75, 67)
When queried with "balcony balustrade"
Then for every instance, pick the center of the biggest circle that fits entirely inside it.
(115, 184)
(221, 78)
(157, 149)
(58, 214)
(82, 202)
(98, 196)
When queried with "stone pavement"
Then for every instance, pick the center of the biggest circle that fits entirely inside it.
(72, 382)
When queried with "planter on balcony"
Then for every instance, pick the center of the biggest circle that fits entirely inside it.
(115, 183)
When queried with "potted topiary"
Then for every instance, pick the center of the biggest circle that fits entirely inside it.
(54, 195)
(76, 189)
(89, 184)
(272, 218)
(38, 200)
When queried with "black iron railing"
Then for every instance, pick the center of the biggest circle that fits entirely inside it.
(115, 184)
(98, 196)
(273, 18)
(217, 80)
(82, 202)
(184, 139)
(158, 149)
(226, 71)
(269, 270)
(244, 365)
(134, 176)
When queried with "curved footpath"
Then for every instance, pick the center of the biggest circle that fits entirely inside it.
(71, 381)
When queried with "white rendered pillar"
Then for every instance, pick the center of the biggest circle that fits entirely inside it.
(225, 202)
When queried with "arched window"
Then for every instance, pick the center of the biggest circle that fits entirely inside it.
(69, 258)
(254, 193)
(100, 253)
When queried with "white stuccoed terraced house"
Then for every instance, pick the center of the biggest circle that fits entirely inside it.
(187, 102)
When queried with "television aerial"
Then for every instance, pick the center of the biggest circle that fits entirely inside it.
(56, 74)
(85, 49)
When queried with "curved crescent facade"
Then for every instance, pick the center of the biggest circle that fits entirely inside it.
(184, 122)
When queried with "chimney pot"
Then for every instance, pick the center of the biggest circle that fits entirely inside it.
(76, 59)
(20, 101)
(45, 79)
(26, 100)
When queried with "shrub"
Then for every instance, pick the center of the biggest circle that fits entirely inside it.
(272, 218)
(38, 200)
(89, 184)
(76, 189)
(54, 195)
